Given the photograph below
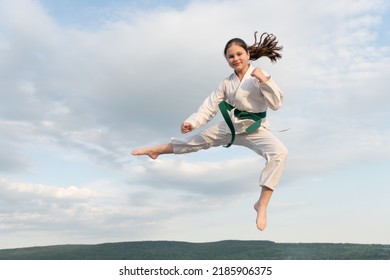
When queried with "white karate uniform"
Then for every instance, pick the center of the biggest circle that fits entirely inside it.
(246, 95)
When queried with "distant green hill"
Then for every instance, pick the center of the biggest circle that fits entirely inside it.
(222, 250)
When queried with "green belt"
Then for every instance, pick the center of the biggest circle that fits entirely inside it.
(257, 117)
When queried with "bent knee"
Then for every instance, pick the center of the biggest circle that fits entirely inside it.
(284, 152)
(280, 154)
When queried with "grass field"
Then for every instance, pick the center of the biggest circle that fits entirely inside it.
(222, 250)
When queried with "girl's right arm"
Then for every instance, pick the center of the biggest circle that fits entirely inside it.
(207, 110)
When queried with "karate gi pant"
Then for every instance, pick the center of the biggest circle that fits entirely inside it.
(262, 142)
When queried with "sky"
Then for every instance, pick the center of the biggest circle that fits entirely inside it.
(83, 83)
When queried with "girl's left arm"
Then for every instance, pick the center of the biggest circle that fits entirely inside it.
(269, 89)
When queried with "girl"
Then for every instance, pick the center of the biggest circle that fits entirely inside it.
(243, 99)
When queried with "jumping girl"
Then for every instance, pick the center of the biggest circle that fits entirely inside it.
(243, 99)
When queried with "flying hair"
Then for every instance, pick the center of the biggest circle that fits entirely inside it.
(266, 46)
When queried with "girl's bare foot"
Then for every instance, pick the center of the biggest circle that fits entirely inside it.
(155, 151)
(145, 151)
(261, 219)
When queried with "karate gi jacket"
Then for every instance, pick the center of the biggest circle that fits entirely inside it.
(247, 95)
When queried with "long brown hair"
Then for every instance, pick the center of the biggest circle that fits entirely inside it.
(266, 46)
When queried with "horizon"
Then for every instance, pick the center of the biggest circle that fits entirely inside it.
(192, 242)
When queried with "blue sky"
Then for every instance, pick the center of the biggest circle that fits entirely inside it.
(85, 82)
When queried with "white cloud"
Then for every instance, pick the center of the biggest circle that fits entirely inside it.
(219, 178)
(71, 192)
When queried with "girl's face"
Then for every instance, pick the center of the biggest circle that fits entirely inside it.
(237, 57)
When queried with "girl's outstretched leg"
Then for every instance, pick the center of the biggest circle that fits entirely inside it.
(261, 207)
(155, 151)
